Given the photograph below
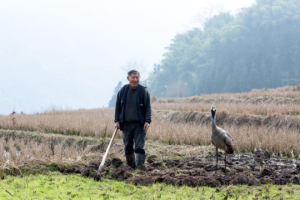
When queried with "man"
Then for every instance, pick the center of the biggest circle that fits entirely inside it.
(133, 117)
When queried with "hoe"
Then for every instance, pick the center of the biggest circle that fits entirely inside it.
(105, 155)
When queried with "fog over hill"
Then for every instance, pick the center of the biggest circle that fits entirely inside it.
(69, 54)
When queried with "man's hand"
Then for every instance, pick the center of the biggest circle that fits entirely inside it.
(117, 125)
(146, 126)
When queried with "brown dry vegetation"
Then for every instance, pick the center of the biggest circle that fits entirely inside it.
(26, 148)
(265, 119)
(28, 151)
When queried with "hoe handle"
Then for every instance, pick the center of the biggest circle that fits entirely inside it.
(106, 153)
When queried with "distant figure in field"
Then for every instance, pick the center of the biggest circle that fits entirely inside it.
(13, 113)
(219, 137)
(133, 117)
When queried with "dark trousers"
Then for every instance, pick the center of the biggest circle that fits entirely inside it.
(134, 133)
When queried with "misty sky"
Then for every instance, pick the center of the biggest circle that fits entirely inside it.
(67, 54)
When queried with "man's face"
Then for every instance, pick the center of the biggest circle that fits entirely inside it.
(134, 80)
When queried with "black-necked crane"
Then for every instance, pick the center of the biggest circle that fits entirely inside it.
(219, 137)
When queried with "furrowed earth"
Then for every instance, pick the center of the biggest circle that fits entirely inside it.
(259, 168)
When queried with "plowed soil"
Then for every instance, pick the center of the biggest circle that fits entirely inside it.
(258, 168)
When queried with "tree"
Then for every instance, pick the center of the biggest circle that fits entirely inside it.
(259, 47)
(112, 101)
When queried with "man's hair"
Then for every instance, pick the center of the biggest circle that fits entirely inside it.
(133, 72)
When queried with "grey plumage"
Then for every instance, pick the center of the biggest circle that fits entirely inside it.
(220, 138)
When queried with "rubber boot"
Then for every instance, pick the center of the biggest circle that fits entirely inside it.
(140, 160)
(130, 159)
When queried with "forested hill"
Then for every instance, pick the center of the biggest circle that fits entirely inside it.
(257, 48)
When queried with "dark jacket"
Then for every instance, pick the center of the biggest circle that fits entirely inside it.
(143, 101)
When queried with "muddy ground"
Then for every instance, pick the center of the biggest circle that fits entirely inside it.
(258, 168)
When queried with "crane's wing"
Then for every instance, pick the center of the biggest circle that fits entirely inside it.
(228, 136)
(228, 141)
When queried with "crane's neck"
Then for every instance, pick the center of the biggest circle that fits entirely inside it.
(213, 120)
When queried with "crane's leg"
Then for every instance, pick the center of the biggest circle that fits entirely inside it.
(217, 157)
(225, 164)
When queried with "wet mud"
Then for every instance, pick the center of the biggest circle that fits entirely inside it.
(255, 169)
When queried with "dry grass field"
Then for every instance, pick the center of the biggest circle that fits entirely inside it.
(267, 119)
